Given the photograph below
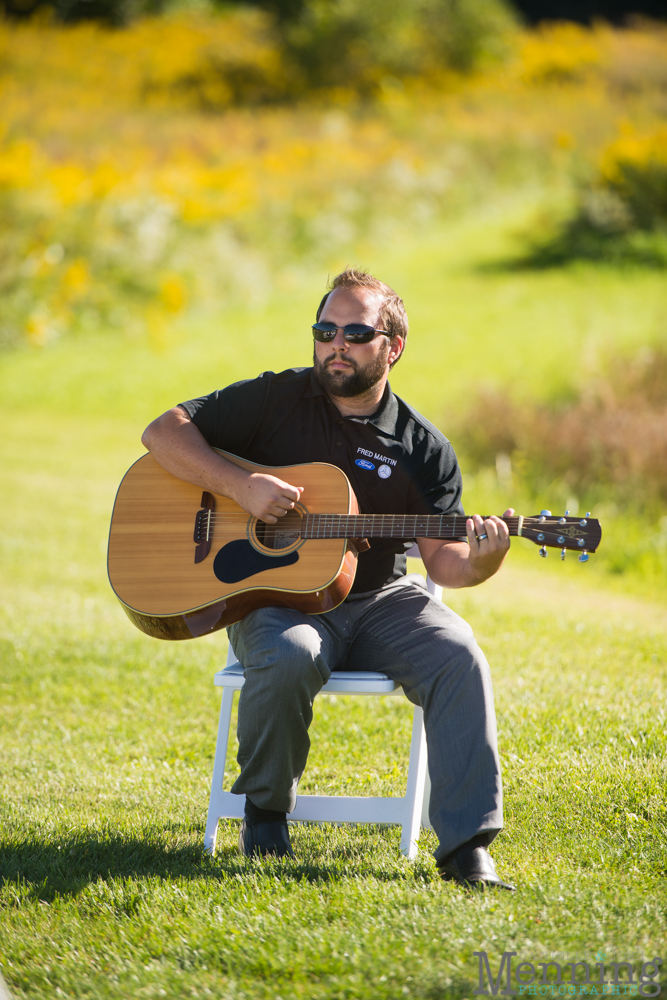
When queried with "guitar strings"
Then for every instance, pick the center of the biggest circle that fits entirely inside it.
(453, 524)
(357, 518)
(382, 521)
(356, 522)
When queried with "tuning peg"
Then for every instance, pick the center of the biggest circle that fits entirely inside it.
(588, 513)
(545, 513)
(583, 557)
(567, 513)
(543, 551)
(562, 553)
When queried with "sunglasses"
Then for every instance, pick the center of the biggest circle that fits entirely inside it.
(354, 333)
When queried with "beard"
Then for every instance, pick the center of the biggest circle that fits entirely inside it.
(354, 383)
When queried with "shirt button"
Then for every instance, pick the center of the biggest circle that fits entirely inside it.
(338, 444)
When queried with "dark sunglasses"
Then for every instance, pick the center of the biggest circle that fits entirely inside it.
(354, 333)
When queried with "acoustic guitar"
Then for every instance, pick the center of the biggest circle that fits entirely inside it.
(185, 563)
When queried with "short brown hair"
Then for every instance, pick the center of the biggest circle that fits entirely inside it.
(392, 311)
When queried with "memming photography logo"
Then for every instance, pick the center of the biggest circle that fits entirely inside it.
(570, 978)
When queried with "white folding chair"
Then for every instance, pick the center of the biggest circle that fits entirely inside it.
(410, 811)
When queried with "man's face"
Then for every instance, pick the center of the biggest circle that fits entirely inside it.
(344, 369)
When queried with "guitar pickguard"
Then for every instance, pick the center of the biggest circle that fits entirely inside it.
(238, 560)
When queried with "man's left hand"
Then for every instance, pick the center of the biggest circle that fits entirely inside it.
(489, 542)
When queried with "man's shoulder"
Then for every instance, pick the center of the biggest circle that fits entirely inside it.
(231, 417)
(291, 375)
(291, 378)
(249, 395)
(411, 421)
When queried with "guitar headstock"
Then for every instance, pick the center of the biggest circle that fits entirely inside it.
(581, 534)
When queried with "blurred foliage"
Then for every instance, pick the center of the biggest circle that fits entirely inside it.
(634, 169)
(342, 43)
(561, 53)
(410, 37)
(620, 199)
(196, 62)
(192, 151)
(608, 439)
(280, 51)
(622, 213)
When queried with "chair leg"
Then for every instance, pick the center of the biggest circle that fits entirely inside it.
(415, 791)
(214, 808)
(426, 819)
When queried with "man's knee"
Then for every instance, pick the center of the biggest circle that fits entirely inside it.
(277, 645)
(465, 646)
(461, 660)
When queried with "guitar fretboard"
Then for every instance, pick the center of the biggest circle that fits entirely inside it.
(392, 525)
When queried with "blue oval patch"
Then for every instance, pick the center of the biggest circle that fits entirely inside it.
(363, 463)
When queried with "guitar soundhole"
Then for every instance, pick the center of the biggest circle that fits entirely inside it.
(284, 536)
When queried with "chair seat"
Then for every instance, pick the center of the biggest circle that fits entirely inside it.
(340, 682)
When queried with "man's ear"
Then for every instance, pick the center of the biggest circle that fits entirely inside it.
(396, 346)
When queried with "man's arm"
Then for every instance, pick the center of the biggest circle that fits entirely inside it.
(466, 564)
(179, 447)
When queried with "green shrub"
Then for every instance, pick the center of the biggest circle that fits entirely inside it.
(348, 45)
(622, 214)
(634, 170)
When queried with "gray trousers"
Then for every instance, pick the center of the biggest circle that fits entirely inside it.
(401, 631)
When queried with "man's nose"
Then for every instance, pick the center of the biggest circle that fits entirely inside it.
(339, 340)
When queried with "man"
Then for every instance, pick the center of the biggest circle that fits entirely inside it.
(340, 411)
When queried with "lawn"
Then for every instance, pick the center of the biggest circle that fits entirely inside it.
(108, 736)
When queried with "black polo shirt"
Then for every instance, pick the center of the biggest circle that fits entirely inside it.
(397, 462)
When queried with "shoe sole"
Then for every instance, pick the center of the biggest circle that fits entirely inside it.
(480, 883)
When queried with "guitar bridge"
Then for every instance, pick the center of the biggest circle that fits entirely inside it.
(204, 526)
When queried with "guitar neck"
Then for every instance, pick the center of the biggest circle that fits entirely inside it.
(393, 525)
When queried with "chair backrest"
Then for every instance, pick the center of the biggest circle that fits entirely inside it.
(433, 588)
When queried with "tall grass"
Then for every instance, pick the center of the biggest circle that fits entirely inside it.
(612, 435)
(602, 446)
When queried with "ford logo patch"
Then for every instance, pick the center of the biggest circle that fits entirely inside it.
(363, 463)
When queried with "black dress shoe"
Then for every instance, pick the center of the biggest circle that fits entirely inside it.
(261, 838)
(472, 866)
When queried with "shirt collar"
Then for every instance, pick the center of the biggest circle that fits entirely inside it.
(384, 418)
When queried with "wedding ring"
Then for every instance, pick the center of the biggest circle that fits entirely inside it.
(480, 537)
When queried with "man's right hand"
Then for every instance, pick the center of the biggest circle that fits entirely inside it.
(179, 447)
(266, 497)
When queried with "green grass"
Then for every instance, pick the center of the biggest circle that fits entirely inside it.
(108, 737)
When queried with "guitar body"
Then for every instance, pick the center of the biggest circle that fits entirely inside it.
(243, 564)
(185, 563)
